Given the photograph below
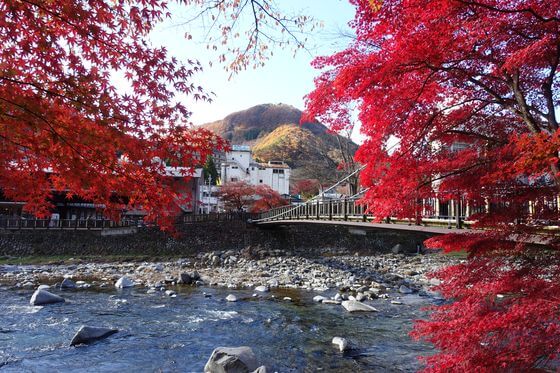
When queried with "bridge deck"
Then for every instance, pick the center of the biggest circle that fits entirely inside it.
(367, 225)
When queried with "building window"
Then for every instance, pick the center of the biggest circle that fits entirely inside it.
(234, 167)
(260, 181)
(234, 179)
(277, 171)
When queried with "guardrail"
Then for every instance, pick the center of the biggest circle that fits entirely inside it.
(72, 224)
(217, 217)
(347, 209)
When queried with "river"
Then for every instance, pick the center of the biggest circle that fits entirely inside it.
(159, 333)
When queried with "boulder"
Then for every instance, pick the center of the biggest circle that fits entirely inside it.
(355, 306)
(262, 289)
(40, 297)
(398, 249)
(188, 278)
(43, 287)
(124, 282)
(88, 334)
(405, 290)
(232, 360)
(319, 298)
(341, 343)
(185, 279)
(67, 284)
(261, 369)
(231, 298)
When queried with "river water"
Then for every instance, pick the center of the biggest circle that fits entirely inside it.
(163, 334)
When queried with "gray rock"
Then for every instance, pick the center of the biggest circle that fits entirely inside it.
(329, 301)
(185, 279)
(261, 289)
(124, 282)
(398, 249)
(43, 287)
(435, 282)
(355, 306)
(40, 297)
(261, 369)
(67, 284)
(319, 298)
(341, 343)
(232, 360)
(360, 297)
(405, 290)
(88, 334)
(231, 298)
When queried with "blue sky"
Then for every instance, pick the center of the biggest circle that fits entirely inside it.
(284, 79)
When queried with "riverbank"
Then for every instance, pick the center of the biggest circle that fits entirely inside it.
(369, 275)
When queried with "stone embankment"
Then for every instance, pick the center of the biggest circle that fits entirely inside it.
(354, 277)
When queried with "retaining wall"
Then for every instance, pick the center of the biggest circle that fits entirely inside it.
(204, 237)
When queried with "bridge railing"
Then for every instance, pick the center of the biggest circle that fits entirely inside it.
(81, 224)
(349, 209)
(217, 217)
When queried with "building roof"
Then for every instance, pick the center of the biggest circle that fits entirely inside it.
(241, 148)
(275, 165)
(183, 172)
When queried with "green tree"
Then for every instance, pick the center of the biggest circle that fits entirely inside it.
(210, 171)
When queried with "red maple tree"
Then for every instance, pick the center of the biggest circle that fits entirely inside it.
(307, 188)
(266, 199)
(458, 100)
(65, 126)
(236, 196)
(241, 196)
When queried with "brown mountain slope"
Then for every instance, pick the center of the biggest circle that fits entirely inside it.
(274, 133)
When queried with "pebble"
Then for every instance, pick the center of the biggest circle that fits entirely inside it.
(355, 277)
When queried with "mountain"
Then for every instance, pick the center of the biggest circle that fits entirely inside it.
(274, 132)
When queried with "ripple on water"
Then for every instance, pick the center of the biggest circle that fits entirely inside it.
(18, 309)
(158, 334)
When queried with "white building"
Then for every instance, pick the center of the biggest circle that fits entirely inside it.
(209, 202)
(240, 166)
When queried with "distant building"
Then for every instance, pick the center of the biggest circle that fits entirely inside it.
(79, 209)
(239, 165)
(209, 201)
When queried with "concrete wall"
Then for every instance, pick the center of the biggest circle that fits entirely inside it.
(203, 237)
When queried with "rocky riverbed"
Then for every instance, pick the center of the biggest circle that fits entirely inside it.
(282, 306)
(361, 276)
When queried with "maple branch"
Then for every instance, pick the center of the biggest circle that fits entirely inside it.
(524, 110)
(476, 134)
(511, 11)
(454, 173)
(63, 138)
(548, 94)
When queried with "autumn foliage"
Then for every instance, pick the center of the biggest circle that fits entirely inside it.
(459, 100)
(66, 126)
(240, 196)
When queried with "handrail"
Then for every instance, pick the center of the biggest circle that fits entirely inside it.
(64, 224)
(348, 210)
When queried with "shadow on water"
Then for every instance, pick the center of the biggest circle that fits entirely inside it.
(159, 333)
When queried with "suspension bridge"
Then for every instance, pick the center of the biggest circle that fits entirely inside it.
(347, 210)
